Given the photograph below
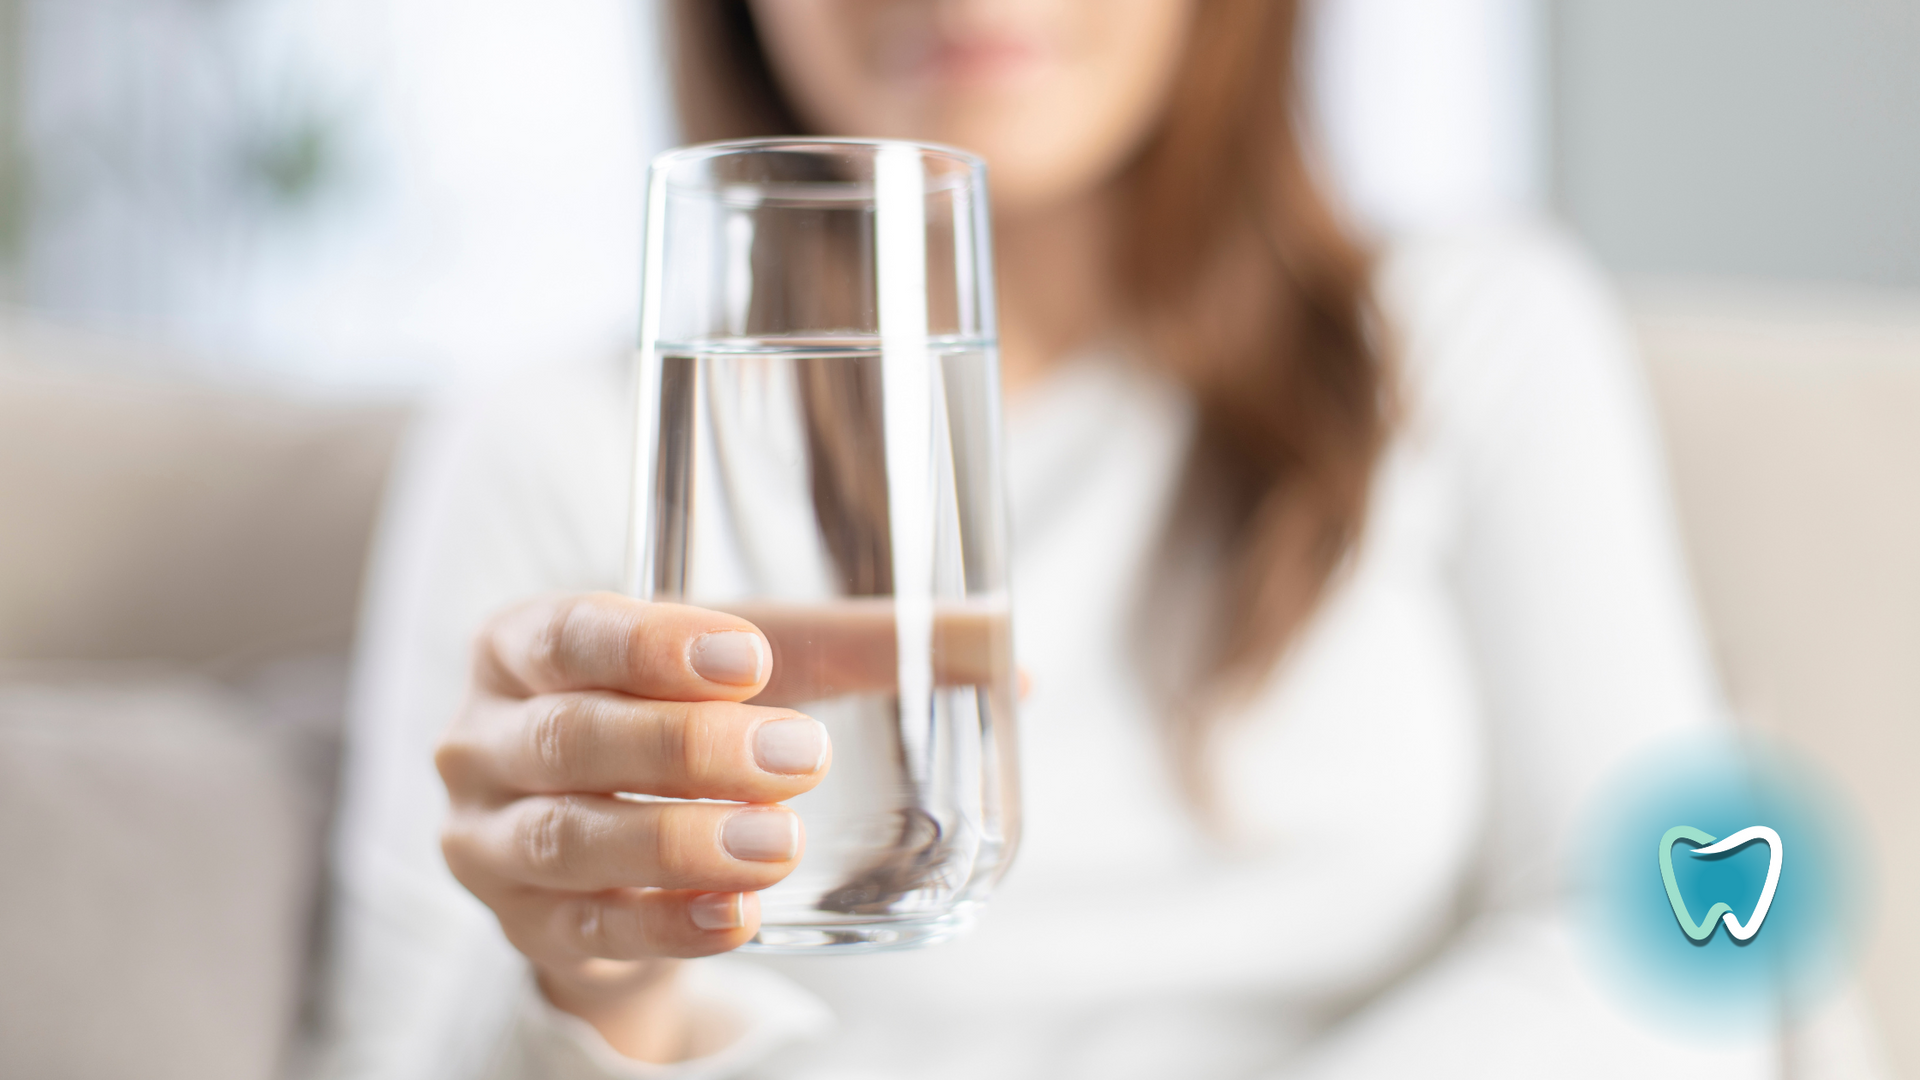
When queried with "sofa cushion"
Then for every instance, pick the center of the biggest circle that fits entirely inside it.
(161, 835)
(160, 518)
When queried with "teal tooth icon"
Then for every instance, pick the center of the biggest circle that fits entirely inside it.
(1706, 844)
(1793, 933)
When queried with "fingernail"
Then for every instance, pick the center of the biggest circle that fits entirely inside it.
(762, 835)
(718, 911)
(798, 745)
(733, 657)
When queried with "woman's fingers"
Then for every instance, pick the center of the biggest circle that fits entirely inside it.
(579, 697)
(603, 742)
(589, 843)
(602, 641)
(558, 928)
(849, 646)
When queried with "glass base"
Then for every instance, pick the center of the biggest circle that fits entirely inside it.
(858, 937)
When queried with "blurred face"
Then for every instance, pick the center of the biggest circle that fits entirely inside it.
(1055, 94)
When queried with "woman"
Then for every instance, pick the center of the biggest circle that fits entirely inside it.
(1389, 531)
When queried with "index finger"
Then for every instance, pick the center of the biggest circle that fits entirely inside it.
(604, 641)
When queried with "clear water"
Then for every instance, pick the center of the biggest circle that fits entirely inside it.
(860, 523)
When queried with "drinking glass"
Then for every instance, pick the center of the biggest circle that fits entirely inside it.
(819, 452)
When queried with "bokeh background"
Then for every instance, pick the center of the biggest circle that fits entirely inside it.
(336, 189)
(238, 238)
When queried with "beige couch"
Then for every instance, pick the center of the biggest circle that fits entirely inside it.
(1793, 428)
(178, 569)
(178, 574)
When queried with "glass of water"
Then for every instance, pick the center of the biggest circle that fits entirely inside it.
(819, 452)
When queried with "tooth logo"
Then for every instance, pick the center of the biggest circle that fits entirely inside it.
(1706, 845)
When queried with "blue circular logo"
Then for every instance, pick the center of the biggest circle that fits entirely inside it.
(1721, 885)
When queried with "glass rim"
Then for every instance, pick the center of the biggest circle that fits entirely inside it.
(665, 162)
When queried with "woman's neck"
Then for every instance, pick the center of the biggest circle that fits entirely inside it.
(1056, 289)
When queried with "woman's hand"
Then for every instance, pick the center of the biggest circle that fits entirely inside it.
(575, 699)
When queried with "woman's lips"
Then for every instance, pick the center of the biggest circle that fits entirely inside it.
(968, 61)
(973, 62)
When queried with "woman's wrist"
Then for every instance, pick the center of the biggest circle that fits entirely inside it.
(636, 1006)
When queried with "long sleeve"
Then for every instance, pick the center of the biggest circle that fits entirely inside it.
(1575, 606)
(504, 493)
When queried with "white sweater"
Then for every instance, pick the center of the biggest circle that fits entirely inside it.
(1389, 901)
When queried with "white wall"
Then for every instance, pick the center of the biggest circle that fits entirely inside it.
(1742, 138)
(1432, 109)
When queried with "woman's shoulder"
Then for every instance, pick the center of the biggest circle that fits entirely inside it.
(543, 400)
(530, 461)
(529, 426)
(1473, 312)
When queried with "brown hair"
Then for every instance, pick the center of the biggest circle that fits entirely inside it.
(1245, 288)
